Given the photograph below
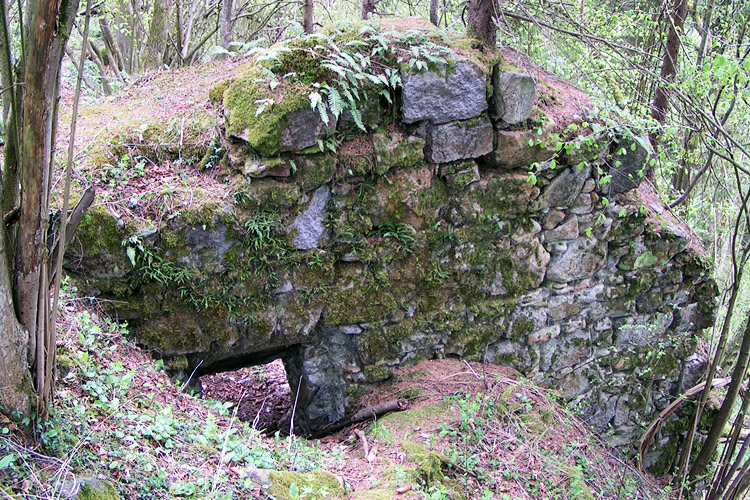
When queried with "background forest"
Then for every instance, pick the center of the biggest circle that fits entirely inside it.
(677, 70)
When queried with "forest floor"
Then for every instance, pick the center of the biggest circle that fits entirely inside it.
(468, 431)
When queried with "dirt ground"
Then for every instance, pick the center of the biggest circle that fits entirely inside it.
(261, 394)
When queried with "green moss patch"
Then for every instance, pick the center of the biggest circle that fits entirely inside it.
(429, 463)
(243, 99)
(317, 485)
(99, 231)
(97, 490)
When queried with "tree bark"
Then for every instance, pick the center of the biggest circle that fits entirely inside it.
(307, 16)
(434, 19)
(368, 9)
(480, 21)
(225, 22)
(16, 387)
(97, 58)
(660, 104)
(26, 332)
(110, 44)
(158, 31)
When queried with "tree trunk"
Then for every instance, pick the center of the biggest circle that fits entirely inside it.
(97, 58)
(158, 31)
(50, 23)
(368, 8)
(187, 33)
(26, 332)
(109, 42)
(307, 16)
(660, 103)
(16, 387)
(480, 21)
(225, 22)
(434, 12)
(717, 426)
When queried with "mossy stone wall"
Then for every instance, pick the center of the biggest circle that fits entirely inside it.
(584, 289)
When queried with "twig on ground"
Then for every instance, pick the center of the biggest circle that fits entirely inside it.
(363, 441)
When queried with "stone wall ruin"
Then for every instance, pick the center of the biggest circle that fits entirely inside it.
(424, 237)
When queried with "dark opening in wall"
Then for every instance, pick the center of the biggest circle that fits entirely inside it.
(262, 393)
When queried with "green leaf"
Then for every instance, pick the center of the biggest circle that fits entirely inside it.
(130, 252)
(335, 103)
(7, 461)
(357, 116)
(335, 68)
(293, 491)
(323, 112)
(263, 103)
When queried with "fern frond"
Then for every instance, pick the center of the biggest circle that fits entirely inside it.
(335, 103)
(315, 99)
(323, 112)
(357, 116)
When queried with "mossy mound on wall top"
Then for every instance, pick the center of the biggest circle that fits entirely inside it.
(384, 194)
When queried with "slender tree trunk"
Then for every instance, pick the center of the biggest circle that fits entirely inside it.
(188, 31)
(158, 32)
(717, 427)
(97, 58)
(225, 22)
(85, 78)
(49, 25)
(660, 104)
(10, 194)
(434, 12)
(307, 16)
(480, 21)
(368, 8)
(109, 42)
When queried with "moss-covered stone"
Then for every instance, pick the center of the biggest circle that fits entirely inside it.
(263, 130)
(395, 150)
(268, 193)
(312, 171)
(429, 463)
(99, 231)
(216, 93)
(93, 489)
(321, 484)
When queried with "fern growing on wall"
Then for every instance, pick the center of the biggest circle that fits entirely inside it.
(354, 69)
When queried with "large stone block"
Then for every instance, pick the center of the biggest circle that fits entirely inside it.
(451, 92)
(309, 225)
(459, 140)
(514, 96)
(304, 128)
(628, 165)
(520, 148)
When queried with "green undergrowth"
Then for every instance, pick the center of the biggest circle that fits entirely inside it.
(498, 438)
(118, 417)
